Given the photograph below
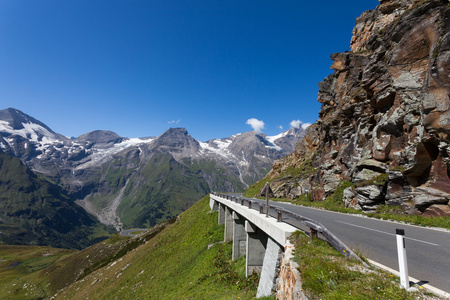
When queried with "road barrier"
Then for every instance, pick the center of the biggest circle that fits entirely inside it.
(315, 228)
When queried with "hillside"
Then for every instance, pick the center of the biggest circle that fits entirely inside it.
(171, 261)
(183, 258)
(382, 136)
(35, 211)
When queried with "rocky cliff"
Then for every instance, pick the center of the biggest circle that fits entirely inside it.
(384, 125)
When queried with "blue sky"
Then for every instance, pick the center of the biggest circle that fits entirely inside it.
(140, 67)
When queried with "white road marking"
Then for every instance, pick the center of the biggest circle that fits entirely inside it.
(388, 233)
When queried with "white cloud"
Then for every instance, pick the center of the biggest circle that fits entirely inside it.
(174, 122)
(306, 125)
(298, 123)
(256, 124)
(281, 127)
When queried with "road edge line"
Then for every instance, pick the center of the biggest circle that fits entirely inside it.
(367, 217)
(426, 286)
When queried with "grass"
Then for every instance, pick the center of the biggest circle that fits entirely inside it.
(36, 211)
(19, 266)
(137, 232)
(327, 274)
(303, 170)
(255, 189)
(379, 180)
(183, 258)
(170, 261)
(175, 264)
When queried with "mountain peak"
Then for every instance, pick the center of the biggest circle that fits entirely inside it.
(16, 119)
(178, 132)
(16, 124)
(176, 138)
(100, 137)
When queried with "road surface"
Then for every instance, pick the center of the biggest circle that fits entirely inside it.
(129, 231)
(427, 249)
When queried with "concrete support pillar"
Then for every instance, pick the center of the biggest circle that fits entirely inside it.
(256, 248)
(213, 204)
(270, 269)
(221, 213)
(239, 236)
(229, 224)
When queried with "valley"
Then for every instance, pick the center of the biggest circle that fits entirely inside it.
(136, 182)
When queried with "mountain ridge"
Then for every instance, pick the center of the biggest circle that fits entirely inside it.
(144, 180)
(34, 210)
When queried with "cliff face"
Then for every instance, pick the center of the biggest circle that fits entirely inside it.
(385, 121)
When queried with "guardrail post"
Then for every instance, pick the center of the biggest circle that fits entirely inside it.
(261, 209)
(250, 204)
(312, 234)
(402, 263)
(279, 216)
(242, 201)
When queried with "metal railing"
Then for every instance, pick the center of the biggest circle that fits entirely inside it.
(314, 226)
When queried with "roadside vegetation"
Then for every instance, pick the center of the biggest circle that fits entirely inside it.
(327, 274)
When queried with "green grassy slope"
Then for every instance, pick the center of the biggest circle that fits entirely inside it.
(171, 261)
(33, 210)
(163, 189)
(20, 267)
(179, 259)
(176, 264)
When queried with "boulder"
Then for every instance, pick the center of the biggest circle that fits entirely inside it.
(369, 195)
(365, 175)
(294, 193)
(349, 199)
(437, 210)
(372, 164)
(426, 196)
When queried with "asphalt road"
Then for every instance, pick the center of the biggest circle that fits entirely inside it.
(427, 250)
(128, 231)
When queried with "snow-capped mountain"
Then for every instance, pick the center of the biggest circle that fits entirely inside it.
(136, 181)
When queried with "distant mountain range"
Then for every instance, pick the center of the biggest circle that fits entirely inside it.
(128, 182)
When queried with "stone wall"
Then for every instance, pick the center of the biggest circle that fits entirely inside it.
(289, 281)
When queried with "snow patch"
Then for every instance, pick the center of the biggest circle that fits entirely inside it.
(98, 154)
(272, 139)
(222, 147)
(30, 131)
